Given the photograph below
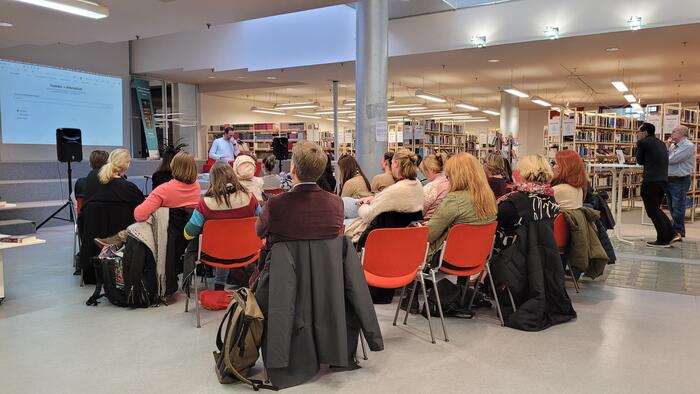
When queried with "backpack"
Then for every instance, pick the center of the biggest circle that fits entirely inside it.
(239, 349)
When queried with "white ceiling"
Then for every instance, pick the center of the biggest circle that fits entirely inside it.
(660, 65)
(129, 18)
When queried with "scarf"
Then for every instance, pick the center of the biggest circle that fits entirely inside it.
(541, 188)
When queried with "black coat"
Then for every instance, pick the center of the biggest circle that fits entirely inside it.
(315, 300)
(532, 268)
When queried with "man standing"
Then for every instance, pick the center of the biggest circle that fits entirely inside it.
(653, 155)
(225, 148)
(681, 166)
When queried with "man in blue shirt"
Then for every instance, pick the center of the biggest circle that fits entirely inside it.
(225, 148)
(681, 166)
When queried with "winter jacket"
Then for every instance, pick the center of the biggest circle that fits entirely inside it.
(315, 300)
(532, 269)
(404, 196)
(585, 252)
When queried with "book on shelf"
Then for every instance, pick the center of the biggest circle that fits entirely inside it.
(18, 239)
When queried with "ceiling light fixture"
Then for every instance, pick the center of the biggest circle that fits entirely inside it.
(330, 111)
(271, 78)
(430, 96)
(630, 98)
(475, 120)
(466, 106)
(551, 32)
(612, 49)
(6, 24)
(556, 109)
(308, 116)
(479, 41)
(540, 101)
(620, 86)
(351, 102)
(634, 23)
(268, 111)
(431, 111)
(493, 60)
(87, 9)
(491, 112)
(410, 108)
(211, 77)
(515, 92)
(296, 105)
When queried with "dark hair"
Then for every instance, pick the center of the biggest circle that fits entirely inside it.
(227, 129)
(388, 157)
(269, 163)
(327, 179)
(649, 128)
(167, 157)
(98, 158)
(349, 169)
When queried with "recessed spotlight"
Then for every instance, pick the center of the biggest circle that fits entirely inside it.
(271, 78)
(240, 77)
(612, 49)
(211, 77)
(6, 24)
(494, 60)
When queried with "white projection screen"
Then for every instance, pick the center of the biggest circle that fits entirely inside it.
(36, 100)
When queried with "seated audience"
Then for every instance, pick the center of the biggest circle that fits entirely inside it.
(180, 192)
(353, 182)
(495, 167)
(469, 201)
(225, 198)
(244, 168)
(327, 180)
(270, 180)
(570, 181)
(379, 182)
(163, 173)
(86, 186)
(306, 212)
(437, 187)
(526, 259)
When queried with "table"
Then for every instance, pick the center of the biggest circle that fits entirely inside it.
(8, 245)
(618, 171)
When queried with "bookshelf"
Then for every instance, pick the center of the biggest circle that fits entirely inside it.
(258, 136)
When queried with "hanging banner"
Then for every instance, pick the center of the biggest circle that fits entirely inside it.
(143, 95)
(568, 127)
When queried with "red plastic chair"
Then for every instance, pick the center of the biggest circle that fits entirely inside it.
(215, 246)
(562, 237)
(78, 205)
(394, 257)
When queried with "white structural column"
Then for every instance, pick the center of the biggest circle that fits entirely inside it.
(510, 117)
(371, 69)
(336, 148)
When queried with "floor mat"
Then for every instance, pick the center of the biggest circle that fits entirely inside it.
(663, 276)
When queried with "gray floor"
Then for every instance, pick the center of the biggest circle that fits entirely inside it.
(625, 340)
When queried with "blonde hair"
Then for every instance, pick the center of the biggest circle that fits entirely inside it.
(434, 163)
(118, 162)
(495, 164)
(465, 173)
(535, 168)
(407, 163)
(184, 168)
(309, 161)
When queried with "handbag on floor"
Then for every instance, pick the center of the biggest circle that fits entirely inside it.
(239, 347)
(215, 300)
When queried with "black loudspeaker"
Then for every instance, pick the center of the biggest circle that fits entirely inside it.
(280, 147)
(69, 145)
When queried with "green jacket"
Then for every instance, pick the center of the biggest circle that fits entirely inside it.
(585, 252)
(456, 208)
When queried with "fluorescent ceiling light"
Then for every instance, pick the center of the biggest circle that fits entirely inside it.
(630, 98)
(466, 106)
(296, 105)
(430, 96)
(406, 105)
(395, 118)
(540, 101)
(308, 116)
(271, 78)
(634, 22)
(475, 120)
(453, 117)
(430, 114)
(351, 102)
(430, 111)
(515, 92)
(620, 86)
(551, 32)
(479, 41)
(269, 111)
(6, 24)
(330, 111)
(493, 60)
(556, 109)
(491, 112)
(412, 108)
(76, 7)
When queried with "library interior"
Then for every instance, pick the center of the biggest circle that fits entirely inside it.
(379, 195)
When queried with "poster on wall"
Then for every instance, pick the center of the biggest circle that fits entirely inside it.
(143, 95)
(380, 129)
(568, 127)
(672, 119)
(554, 127)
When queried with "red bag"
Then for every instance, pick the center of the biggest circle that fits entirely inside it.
(215, 300)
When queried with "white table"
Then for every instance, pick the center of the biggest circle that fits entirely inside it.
(8, 245)
(618, 171)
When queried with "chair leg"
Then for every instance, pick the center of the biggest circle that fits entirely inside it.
(364, 349)
(398, 307)
(512, 302)
(471, 299)
(495, 294)
(425, 297)
(410, 300)
(439, 303)
(573, 277)
(196, 297)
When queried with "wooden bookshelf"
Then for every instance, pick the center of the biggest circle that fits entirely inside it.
(258, 136)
